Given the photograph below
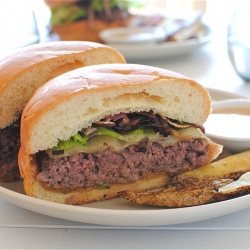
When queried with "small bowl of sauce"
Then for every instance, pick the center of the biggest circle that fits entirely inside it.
(229, 124)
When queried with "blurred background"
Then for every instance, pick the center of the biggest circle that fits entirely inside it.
(66, 19)
(178, 27)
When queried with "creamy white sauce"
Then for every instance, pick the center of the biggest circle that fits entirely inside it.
(228, 125)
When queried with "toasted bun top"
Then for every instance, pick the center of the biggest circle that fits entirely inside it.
(74, 100)
(24, 70)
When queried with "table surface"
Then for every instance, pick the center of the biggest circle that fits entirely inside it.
(20, 228)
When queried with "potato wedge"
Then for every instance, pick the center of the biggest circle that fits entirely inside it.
(242, 185)
(180, 194)
(199, 186)
(231, 167)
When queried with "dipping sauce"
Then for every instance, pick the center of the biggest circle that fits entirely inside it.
(229, 122)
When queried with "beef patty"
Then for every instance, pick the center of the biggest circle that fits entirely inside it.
(9, 147)
(102, 168)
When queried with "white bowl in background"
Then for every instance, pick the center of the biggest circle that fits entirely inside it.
(229, 124)
(133, 35)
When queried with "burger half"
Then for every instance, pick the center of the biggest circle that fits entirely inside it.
(23, 71)
(95, 131)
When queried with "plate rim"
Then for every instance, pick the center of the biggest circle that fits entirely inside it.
(162, 49)
(126, 218)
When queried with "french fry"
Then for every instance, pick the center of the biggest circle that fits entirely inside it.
(231, 167)
(180, 194)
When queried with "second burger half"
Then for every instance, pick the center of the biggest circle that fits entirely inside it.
(110, 128)
(23, 71)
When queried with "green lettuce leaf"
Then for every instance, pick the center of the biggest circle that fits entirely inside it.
(80, 139)
(75, 140)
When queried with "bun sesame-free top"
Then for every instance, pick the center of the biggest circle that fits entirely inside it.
(24, 70)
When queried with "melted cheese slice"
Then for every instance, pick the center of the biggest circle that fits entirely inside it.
(101, 142)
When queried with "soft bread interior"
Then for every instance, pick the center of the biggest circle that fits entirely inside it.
(88, 94)
(24, 71)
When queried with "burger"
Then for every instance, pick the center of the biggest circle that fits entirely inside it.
(84, 19)
(110, 128)
(23, 71)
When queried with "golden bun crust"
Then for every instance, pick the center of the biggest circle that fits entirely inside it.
(24, 70)
(57, 111)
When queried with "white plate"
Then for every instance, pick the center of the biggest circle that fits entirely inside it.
(161, 49)
(133, 35)
(119, 212)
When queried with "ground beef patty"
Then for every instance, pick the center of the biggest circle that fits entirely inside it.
(9, 147)
(87, 170)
